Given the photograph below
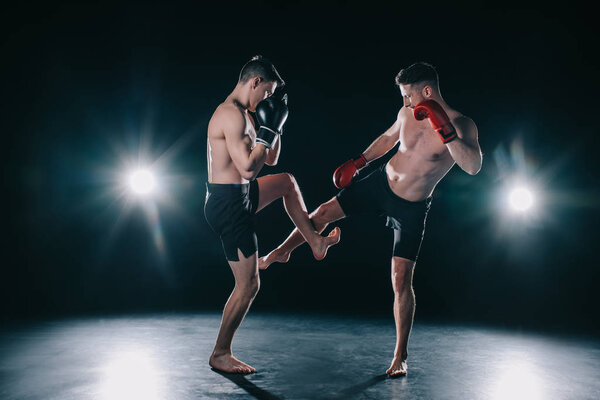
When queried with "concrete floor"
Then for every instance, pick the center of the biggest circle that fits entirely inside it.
(296, 357)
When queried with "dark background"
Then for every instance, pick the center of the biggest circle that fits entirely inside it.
(86, 86)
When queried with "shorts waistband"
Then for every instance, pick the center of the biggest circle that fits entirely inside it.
(228, 188)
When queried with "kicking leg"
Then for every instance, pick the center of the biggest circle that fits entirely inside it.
(327, 212)
(284, 186)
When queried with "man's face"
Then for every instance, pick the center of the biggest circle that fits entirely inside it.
(412, 95)
(260, 91)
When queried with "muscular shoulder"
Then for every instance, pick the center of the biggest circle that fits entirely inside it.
(228, 118)
(464, 123)
(465, 127)
(404, 113)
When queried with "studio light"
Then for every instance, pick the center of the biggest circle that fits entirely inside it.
(520, 199)
(142, 181)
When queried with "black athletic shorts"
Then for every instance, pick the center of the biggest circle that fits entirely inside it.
(230, 210)
(372, 194)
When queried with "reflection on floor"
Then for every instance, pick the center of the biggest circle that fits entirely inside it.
(296, 357)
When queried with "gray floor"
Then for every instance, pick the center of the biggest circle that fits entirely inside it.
(303, 357)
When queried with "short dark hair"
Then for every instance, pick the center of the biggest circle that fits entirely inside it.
(419, 72)
(259, 66)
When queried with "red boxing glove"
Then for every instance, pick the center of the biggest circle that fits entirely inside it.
(437, 118)
(342, 177)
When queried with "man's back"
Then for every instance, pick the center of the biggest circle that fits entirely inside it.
(228, 115)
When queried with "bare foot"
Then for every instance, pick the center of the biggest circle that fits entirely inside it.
(320, 248)
(228, 363)
(398, 368)
(276, 255)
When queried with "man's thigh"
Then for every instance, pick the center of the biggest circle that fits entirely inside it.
(329, 211)
(272, 187)
(363, 196)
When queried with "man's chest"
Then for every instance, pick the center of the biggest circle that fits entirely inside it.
(419, 137)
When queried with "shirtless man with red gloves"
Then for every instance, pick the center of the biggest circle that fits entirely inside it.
(433, 137)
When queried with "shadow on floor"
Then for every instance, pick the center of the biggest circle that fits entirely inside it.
(358, 388)
(248, 386)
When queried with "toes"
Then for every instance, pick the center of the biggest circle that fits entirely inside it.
(334, 235)
(393, 372)
(243, 369)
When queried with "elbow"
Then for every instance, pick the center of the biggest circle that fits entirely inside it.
(248, 172)
(249, 175)
(473, 171)
(475, 168)
(252, 166)
(251, 172)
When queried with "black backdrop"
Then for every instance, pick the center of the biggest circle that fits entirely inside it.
(87, 85)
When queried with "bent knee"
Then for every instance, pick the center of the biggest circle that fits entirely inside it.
(255, 287)
(289, 184)
(325, 213)
(249, 287)
(248, 283)
(254, 283)
(402, 273)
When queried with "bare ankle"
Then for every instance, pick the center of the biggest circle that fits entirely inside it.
(281, 252)
(220, 353)
(314, 240)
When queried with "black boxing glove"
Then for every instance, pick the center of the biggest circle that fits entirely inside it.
(271, 114)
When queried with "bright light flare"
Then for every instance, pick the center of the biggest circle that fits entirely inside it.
(142, 181)
(517, 380)
(520, 199)
(131, 375)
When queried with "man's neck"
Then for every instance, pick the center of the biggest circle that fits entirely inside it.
(240, 97)
(441, 101)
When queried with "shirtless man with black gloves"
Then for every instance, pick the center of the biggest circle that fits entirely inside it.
(244, 133)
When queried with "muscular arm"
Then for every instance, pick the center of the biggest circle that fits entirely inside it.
(465, 148)
(273, 154)
(385, 142)
(248, 161)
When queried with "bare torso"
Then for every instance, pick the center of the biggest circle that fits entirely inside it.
(422, 159)
(221, 168)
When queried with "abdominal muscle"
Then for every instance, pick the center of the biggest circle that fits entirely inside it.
(413, 176)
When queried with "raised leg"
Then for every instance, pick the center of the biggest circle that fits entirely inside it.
(284, 186)
(326, 213)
